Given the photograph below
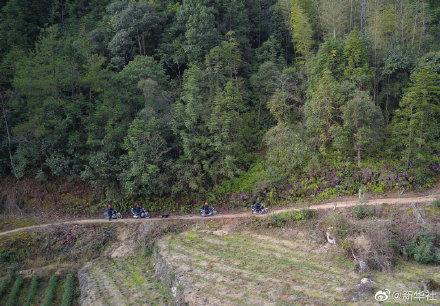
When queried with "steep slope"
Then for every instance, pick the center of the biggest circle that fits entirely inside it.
(121, 281)
(253, 269)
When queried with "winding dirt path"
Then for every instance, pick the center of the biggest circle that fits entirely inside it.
(331, 205)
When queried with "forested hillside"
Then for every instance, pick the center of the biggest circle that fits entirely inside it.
(228, 100)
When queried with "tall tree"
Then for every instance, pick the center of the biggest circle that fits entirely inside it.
(362, 122)
(189, 124)
(356, 61)
(333, 15)
(415, 126)
(235, 19)
(224, 61)
(21, 21)
(302, 31)
(224, 126)
(134, 24)
(142, 84)
(49, 85)
(197, 22)
(330, 57)
(395, 75)
(322, 109)
(147, 161)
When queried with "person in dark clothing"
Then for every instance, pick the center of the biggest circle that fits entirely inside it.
(206, 208)
(109, 212)
(258, 206)
(138, 210)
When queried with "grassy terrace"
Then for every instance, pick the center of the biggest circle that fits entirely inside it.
(128, 281)
(241, 269)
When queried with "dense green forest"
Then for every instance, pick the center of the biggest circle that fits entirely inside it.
(214, 98)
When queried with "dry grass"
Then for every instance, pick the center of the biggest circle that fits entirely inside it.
(265, 270)
(257, 270)
(126, 281)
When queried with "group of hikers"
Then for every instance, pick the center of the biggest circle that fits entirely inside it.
(140, 212)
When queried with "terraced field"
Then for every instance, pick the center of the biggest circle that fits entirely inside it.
(122, 281)
(249, 269)
(35, 291)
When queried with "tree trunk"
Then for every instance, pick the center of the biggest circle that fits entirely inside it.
(259, 23)
(9, 138)
(387, 115)
(140, 46)
(409, 139)
(363, 9)
(351, 15)
(259, 111)
(359, 157)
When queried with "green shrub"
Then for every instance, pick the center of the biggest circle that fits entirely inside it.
(32, 291)
(340, 224)
(378, 188)
(148, 252)
(436, 203)
(12, 270)
(4, 286)
(422, 249)
(6, 255)
(247, 181)
(68, 291)
(362, 212)
(305, 214)
(184, 209)
(327, 194)
(14, 294)
(422, 177)
(395, 245)
(278, 220)
(50, 291)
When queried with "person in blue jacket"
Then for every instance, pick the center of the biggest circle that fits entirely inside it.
(109, 212)
(206, 208)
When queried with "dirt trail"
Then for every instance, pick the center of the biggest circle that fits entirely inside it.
(332, 205)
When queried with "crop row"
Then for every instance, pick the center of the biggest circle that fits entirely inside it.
(16, 295)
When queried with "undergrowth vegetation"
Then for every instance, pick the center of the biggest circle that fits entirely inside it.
(423, 248)
(134, 281)
(68, 293)
(377, 237)
(51, 291)
(12, 270)
(39, 290)
(72, 242)
(363, 211)
(33, 289)
(4, 286)
(15, 291)
(374, 237)
(281, 219)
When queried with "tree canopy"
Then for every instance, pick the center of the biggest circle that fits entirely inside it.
(168, 98)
